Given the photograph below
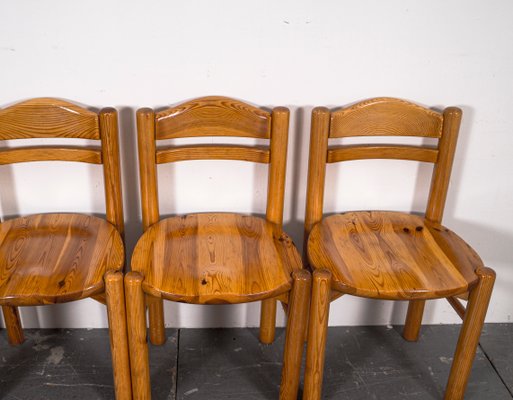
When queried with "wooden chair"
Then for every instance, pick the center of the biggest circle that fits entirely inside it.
(390, 255)
(57, 258)
(214, 258)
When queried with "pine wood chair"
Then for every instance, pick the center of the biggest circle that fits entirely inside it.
(213, 258)
(57, 258)
(390, 255)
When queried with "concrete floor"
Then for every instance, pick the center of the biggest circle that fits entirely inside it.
(362, 363)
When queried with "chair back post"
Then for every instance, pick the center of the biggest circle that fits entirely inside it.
(111, 168)
(443, 167)
(147, 166)
(277, 165)
(320, 128)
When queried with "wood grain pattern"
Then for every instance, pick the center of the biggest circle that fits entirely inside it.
(55, 258)
(136, 323)
(385, 117)
(47, 118)
(443, 168)
(50, 153)
(317, 333)
(213, 116)
(213, 152)
(469, 336)
(384, 255)
(13, 325)
(361, 152)
(319, 133)
(215, 258)
(116, 313)
(413, 320)
(295, 334)
(111, 168)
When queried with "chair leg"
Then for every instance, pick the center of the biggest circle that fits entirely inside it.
(157, 332)
(317, 332)
(268, 320)
(13, 325)
(294, 338)
(136, 324)
(413, 320)
(116, 312)
(469, 336)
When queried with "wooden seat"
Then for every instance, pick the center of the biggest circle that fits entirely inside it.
(215, 258)
(56, 258)
(390, 255)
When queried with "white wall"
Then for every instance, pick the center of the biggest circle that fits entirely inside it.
(300, 54)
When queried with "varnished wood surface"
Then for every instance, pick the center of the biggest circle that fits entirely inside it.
(213, 152)
(366, 152)
(385, 116)
(47, 118)
(213, 116)
(215, 258)
(55, 258)
(391, 255)
(50, 153)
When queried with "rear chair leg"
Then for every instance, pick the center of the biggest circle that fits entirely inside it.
(413, 320)
(157, 332)
(317, 332)
(13, 325)
(116, 312)
(469, 336)
(295, 335)
(268, 321)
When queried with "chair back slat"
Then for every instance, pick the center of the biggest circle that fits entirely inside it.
(47, 153)
(385, 117)
(213, 152)
(48, 118)
(208, 117)
(367, 152)
(213, 116)
(381, 117)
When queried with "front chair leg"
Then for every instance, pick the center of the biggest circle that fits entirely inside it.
(157, 332)
(138, 345)
(413, 320)
(268, 320)
(294, 338)
(317, 332)
(469, 336)
(116, 312)
(13, 325)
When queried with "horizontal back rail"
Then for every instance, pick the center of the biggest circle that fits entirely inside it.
(48, 118)
(386, 117)
(364, 152)
(213, 116)
(213, 152)
(47, 153)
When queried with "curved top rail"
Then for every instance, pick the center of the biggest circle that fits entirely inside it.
(213, 116)
(386, 116)
(48, 118)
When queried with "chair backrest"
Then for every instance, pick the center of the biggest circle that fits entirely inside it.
(207, 117)
(382, 117)
(53, 118)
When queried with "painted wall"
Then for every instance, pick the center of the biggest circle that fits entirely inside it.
(300, 54)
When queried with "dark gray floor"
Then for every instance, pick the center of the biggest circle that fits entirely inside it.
(361, 363)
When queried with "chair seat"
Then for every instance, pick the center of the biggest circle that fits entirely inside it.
(55, 258)
(392, 255)
(214, 258)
